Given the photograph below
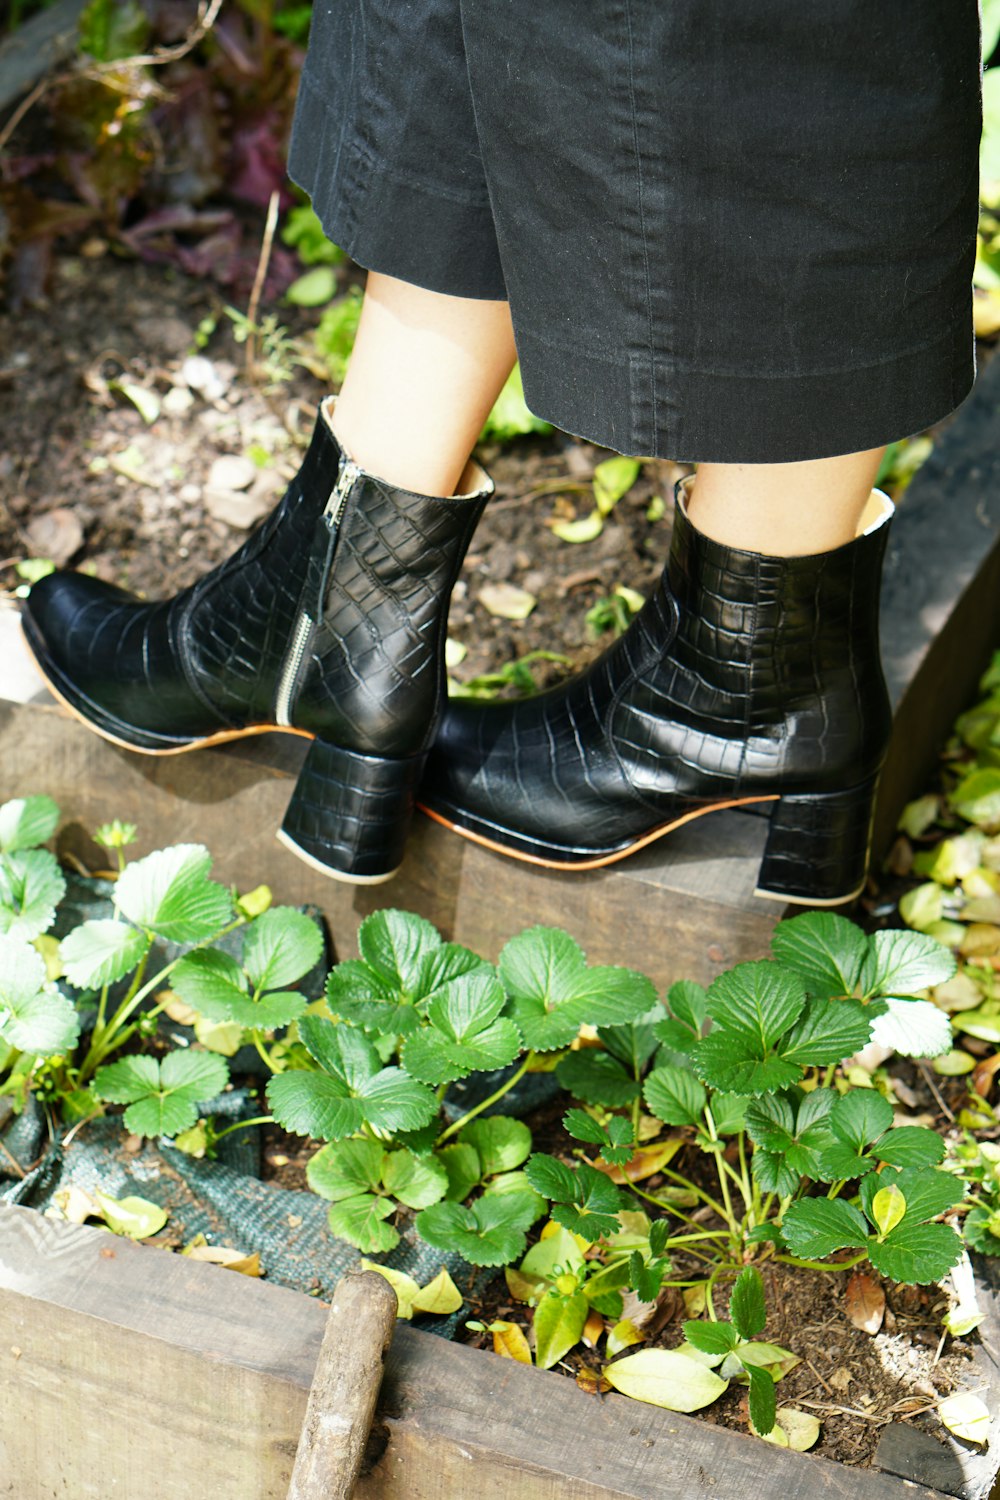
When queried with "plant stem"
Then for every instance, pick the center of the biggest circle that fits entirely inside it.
(258, 1042)
(471, 1114)
(721, 1166)
(820, 1265)
(835, 1188)
(242, 1125)
(684, 1183)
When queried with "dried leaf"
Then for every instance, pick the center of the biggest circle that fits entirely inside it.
(588, 529)
(506, 601)
(622, 1336)
(404, 1286)
(439, 1296)
(967, 1416)
(647, 1161)
(982, 1075)
(865, 1302)
(55, 534)
(231, 1260)
(793, 1429)
(146, 402)
(510, 1343)
(592, 1381)
(593, 1328)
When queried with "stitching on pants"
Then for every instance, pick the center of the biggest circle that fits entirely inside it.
(642, 217)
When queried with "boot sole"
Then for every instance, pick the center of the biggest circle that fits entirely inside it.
(97, 721)
(603, 860)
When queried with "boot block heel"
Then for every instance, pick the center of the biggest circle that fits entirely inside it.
(350, 813)
(818, 846)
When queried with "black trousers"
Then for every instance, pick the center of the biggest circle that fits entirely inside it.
(729, 230)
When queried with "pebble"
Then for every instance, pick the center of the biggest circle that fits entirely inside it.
(232, 472)
(201, 375)
(189, 493)
(56, 534)
(178, 401)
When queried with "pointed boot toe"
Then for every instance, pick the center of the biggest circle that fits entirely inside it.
(744, 679)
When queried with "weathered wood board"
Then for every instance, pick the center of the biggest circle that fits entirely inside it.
(682, 908)
(126, 1371)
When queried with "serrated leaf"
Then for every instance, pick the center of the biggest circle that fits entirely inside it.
(722, 1062)
(916, 1253)
(826, 950)
(746, 1303)
(341, 1050)
(688, 1002)
(860, 1117)
(361, 1222)
(26, 822)
(910, 1146)
(393, 944)
(417, 1181)
(818, 1226)
(674, 1096)
(355, 993)
(634, 1043)
(967, 1416)
(345, 1169)
(501, 1143)
(558, 1323)
(45, 1022)
(553, 992)
(583, 1127)
(552, 1178)
(281, 946)
(729, 1112)
(774, 1173)
(169, 893)
(710, 1338)
(31, 887)
(489, 1233)
(100, 952)
(463, 1169)
(900, 963)
(978, 1233)
(762, 1402)
(597, 1078)
(464, 1032)
(770, 1122)
(913, 1028)
(927, 1190)
(162, 1097)
(757, 1001)
(322, 1105)
(517, 1182)
(662, 1377)
(827, 1031)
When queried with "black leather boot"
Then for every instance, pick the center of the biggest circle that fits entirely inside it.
(743, 679)
(328, 622)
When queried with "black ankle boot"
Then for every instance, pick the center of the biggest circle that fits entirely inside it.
(743, 679)
(328, 622)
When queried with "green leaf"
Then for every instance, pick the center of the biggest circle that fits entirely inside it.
(510, 416)
(558, 1326)
(162, 1098)
(31, 887)
(417, 1181)
(860, 1117)
(762, 1402)
(612, 479)
(355, 993)
(910, 1146)
(978, 1234)
(100, 952)
(828, 1031)
(722, 1062)
(393, 944)
(361, 1222)
(552, 1178)
(710, 1338)
(447, 962)
(490, 1233)
(977, 797)
(674, 1096)
(770, 1122)
(341, 1050)
(914, 1028)
(26, 822)
(345, 1169)
(645, 1277)
(323, 1105)
(689, 1003)
(826, 950)
(634, 1043)
(281, 946)
(900, 963)
(916, 1252)
(169, 893)
(553, 992)
(746, 1303)
(558, 1249)
(729, 1112)
(33, 1016)
(464, 1032)
(583, 1127)
(500, 1143)
(818, 1226)
(313, 288)
(775, 1173)
(756, 1001)
(517, 1182)
(927, 1190)
(135, 1217)
(461, 1163)
(663, 1377)
(594, 1210)
(597, 1078)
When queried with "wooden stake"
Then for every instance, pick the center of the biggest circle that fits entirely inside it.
(345, 1388)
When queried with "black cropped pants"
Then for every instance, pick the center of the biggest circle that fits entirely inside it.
(729, 230)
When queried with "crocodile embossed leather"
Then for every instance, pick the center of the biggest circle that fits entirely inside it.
(328, 622)
(743, 679)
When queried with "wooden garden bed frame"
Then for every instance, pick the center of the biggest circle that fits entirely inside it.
(136, 1373)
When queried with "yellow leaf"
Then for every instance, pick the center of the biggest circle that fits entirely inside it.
(888, 1208)
(662, 1377)
(966, 1416)
(224, 1037)
(695, 1299)
(592, 1381)
(792, 1429)
(255, 902)
(231, 1260)
(622, 1335)
(176, 1009)
(404, 1286)
(524, 1288)
(585, 530)
(510, 1343)
(439, 1296)
(646, 1162)
(506, 601)
(551, 1228)
(593, 1328)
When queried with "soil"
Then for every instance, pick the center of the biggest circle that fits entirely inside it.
(86, 481)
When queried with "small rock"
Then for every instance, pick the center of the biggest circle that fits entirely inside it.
(178, 401)
(232, 472)
(56, 534)
(201, 375)
(189, 493)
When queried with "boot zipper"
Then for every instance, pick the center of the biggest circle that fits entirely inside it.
(305, 624)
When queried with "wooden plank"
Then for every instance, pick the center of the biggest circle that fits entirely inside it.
(124, 1370)
(47, 39)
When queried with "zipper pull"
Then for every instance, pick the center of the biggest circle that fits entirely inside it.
(334, 507)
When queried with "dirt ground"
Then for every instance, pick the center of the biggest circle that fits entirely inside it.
(88, 482)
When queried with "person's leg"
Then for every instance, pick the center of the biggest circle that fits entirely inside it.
(425, 371)
(784, 510)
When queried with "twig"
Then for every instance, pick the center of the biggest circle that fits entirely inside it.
(13, 1161)
(827, 1388)
(263, 258)
(929, 1080)
(848, 1411)
(22, 109)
